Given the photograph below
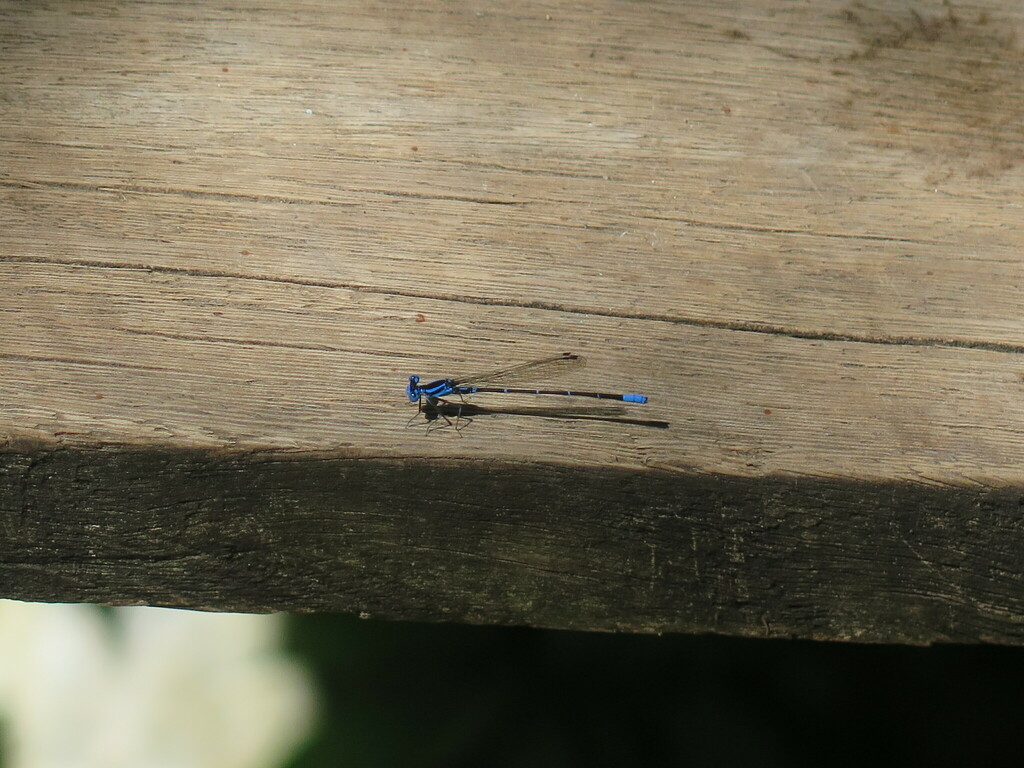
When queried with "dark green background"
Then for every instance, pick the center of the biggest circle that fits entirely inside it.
(401, 694)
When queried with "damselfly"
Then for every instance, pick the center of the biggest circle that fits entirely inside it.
(434, 392)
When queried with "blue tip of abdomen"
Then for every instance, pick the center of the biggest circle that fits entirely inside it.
(635, 398)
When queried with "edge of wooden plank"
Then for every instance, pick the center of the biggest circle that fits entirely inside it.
(512, 543)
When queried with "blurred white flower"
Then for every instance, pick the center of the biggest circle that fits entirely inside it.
(147, 688)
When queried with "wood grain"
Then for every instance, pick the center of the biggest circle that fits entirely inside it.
(231, 232)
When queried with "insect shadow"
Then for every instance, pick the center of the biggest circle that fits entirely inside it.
(458, 416)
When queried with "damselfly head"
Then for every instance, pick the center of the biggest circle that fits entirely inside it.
(412, 391)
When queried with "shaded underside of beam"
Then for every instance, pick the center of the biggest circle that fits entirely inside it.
(513, 543)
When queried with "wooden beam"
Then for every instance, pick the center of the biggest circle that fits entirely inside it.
(508, 543)
(229, 236)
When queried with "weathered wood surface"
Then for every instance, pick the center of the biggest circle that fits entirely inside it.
(228, 234)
